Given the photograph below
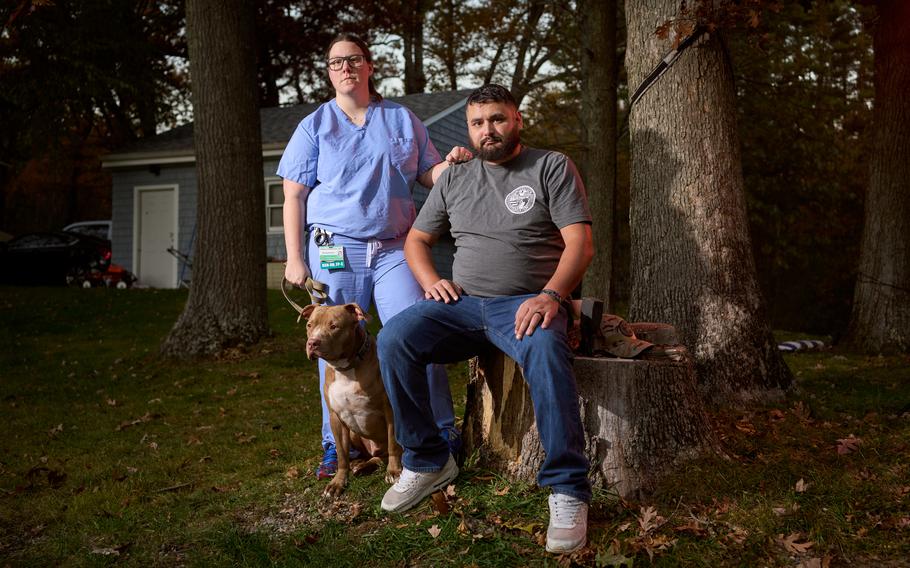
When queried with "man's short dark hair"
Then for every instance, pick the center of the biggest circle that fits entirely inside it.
(491, 93)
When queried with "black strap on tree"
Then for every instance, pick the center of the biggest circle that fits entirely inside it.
(665, 63)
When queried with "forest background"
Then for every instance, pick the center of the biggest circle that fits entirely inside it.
(79, 79)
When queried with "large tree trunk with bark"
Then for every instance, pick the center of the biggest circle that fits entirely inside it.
(598, 121)
(641, 418)
(227, 301)
(691, 262)
(881, 304)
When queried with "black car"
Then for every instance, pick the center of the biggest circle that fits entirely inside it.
(54, 258)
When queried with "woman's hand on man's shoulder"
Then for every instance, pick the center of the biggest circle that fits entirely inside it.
(458, 155)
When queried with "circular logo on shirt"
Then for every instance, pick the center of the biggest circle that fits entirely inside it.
(521, 199)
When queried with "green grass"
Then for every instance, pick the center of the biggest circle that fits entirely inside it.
(113, 456)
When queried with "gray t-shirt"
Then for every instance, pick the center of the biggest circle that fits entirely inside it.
(506, 219)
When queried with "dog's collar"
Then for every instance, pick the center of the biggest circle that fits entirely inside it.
(361, 353)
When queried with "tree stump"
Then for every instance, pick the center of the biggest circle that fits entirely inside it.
(640, 417)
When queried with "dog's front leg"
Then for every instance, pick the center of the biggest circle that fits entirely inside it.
(343, 446)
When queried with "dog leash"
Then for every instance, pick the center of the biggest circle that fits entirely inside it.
(317, 290)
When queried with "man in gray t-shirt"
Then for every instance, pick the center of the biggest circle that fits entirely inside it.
(506, 220)
(523, 241)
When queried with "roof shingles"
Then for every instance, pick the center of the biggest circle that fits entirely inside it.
(278, 123)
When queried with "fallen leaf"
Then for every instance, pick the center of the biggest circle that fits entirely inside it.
(738, 535)
(55, 430)
(802, 412)
(824, 562)
(648, 519)
(848, 445)
(243, 438)
(502, 491)
(147, 417)
(792, 545)
(776, 415)
(693, 526)
(801, 486)
(106, 551)
(743, 425)
(524, 527)
(292, 472)
(450, 491)
(434, 531)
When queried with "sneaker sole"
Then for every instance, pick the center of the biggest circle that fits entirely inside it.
(566, 550)
(410, 503)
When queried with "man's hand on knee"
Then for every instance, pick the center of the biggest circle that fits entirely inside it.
(443, 291)
(533, 313)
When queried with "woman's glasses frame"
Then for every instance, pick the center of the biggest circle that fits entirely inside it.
(337, 63)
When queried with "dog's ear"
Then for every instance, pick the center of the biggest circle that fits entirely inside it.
(358, 312)
(307, 311)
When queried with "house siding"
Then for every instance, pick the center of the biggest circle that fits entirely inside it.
(446, 132)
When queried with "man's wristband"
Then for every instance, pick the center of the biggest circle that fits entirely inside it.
(553, 294)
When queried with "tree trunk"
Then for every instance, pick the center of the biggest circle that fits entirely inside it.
(415, 80)
(227, 301)
(598, 121)
(881, 303)
(641, 419)
(692, 264)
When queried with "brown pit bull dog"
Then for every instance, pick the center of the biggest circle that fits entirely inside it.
(359, 411)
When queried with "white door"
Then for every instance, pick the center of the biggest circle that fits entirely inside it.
(157, 231)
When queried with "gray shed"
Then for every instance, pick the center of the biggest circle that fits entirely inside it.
(154, 188)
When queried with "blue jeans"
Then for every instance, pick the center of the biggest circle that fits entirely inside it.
(434, 332)
(387, 281)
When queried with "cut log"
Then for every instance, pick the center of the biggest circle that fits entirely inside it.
(641, 418)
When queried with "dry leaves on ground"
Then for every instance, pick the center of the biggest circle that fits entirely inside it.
(791, 543)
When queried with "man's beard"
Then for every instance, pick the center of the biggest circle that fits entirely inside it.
(499, 152)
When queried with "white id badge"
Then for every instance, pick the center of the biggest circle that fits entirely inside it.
(331, 257)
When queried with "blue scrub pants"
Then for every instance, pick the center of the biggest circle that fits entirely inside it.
(387, 281)
(435, 332)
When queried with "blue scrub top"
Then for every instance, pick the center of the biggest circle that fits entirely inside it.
(361, 176)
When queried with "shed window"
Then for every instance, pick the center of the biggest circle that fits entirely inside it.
(274, 205)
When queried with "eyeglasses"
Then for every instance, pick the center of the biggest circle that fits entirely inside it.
(337, 63)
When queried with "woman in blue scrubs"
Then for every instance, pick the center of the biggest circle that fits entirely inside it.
(348, 172)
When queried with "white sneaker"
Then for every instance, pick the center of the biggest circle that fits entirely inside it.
(568, 530)
(413, 486)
